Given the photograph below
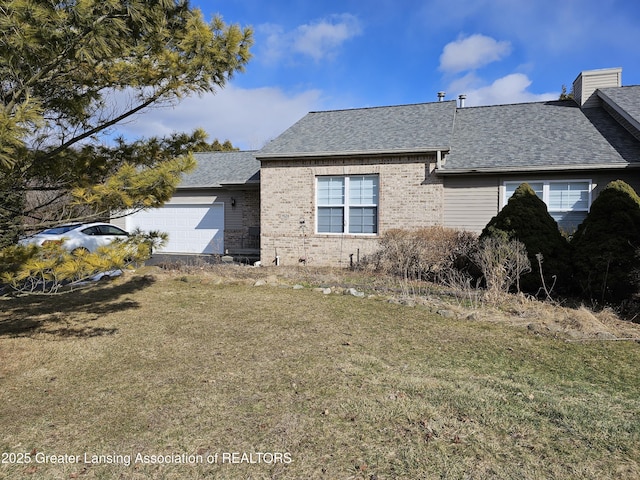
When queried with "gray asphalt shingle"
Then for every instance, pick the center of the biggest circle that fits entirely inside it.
(625, 98)
(522, 136)
(216, 169)
(405, 128)
(538, 135)
(517, 137)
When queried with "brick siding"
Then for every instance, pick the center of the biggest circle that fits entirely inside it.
(241, 220)
(410, 196)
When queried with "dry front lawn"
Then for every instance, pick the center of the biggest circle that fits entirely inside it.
(171, 377)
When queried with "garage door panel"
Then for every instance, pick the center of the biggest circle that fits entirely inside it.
(191, 228)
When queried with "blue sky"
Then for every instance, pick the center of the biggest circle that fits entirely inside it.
(314, 55)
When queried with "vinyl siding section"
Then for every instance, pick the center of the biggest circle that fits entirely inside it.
(470, 202)
(588, 82)
(602, 179)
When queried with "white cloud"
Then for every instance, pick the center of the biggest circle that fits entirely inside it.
(274, 45)
(509, 89)
(247, 117)
(321, 39)
(472, 52)
(318, 40)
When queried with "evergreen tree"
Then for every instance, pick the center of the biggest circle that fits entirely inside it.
(71, 71)
(564, 95)
(525, 218)
(605, 245)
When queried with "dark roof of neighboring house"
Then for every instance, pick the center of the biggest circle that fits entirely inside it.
(533, 136)
(220, 169)
(417, 128)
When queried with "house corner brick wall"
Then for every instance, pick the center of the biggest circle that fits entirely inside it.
(411, 196)
(240, 217)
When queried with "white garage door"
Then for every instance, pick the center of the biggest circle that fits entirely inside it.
(191, 228)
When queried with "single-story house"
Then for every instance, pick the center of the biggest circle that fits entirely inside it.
(215, 210)
(336, 180)
(326, 189)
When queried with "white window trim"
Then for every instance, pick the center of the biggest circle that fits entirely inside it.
(545, 192)
(345, 206)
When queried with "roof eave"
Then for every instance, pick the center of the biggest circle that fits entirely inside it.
(351, 153)
(554, 168)
(196, 187)
(220, 185)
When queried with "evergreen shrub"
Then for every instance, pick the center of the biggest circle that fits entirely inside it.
(605, 244)
(525, 218)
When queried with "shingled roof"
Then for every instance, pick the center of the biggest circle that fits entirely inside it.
(538, 136)
(554, 135)
(625, 101)
(416, 128)
(220, 169)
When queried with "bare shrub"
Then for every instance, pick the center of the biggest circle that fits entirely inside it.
(430, 253)
(526, 218)
(502, 263)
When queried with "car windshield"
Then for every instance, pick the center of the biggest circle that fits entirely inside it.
(59, 230)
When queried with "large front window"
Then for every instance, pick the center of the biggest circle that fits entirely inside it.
(567, 201)
(347, 204)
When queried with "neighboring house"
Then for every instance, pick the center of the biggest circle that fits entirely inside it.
(337, 180)
(215, 210)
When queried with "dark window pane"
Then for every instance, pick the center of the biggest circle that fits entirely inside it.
(568, 221)
(330, 219)
(363, 220)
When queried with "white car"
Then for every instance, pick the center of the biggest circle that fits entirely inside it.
(78, 236)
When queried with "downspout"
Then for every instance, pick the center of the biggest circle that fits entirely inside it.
(438, 159)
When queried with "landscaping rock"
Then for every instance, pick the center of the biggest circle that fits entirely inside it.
(297, 286)
(356, 293)
(446, 313)
(605, 336)
(536, 328)
(407, 302)
(260, 283)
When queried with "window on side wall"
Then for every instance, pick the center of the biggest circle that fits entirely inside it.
(347, 204)
(568, 201)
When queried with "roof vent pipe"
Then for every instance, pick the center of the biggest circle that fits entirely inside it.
(462, 99)
(441, 96)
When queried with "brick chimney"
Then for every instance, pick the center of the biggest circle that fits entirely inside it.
(585, 86)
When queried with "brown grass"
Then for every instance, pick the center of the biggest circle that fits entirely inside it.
(204, 364)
